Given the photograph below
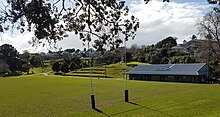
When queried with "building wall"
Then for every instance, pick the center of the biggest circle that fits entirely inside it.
(190, 79)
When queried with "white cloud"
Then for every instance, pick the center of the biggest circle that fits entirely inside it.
(159, 20)
(20, 42)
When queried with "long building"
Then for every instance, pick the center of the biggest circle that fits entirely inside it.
(195, 73)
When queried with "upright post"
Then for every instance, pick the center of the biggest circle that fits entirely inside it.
(91, 85)
(126, 84)
(93, 101)
(126, 96)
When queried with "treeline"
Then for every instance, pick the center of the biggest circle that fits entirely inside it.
(160, 53)
(13, 63)
(67, 65)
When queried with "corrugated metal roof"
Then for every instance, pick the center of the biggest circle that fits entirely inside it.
(168, 69)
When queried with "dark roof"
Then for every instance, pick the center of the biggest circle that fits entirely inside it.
(171, 69)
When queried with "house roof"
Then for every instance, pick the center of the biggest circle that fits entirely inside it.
(170, 69)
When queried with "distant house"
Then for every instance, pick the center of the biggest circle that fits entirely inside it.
(178, 47)
(193, 45)
(196, 73)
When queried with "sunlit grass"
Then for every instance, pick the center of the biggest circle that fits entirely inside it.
(136, 63)
(58, 96)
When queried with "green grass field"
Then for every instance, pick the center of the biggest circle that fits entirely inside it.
(62, 96)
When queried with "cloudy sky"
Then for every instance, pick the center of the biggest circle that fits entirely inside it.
(158, 20)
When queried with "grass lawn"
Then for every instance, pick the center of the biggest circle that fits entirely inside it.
(59, 96)
(112, 71)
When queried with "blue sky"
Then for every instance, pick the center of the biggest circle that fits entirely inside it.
(178, 1)
(158, 20)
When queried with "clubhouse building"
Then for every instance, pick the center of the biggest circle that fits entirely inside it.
(194, 73)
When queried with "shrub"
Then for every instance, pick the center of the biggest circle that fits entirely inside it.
(56, 67)
(64, 67)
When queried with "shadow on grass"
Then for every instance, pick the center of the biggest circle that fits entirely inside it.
(148, 108)
(97, 110)
(138, 107)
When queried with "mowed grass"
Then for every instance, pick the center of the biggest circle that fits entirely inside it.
(62, 96)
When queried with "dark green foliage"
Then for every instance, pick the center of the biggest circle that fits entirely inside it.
(194, 37)
(56, 67)
(182, 59)
(26, 67)
(51, 20)
(167, 43)
(35, 60)
(75, 63)
(64, 67)
(176, 53)
(9, 54)
(163, 53)
(164, 60)
(190, 59)
(25, 56)
(15, 64)
(70, 50)
(73, 66)
(215, 68)
(213, 1)
(155, 59)
(108, 58)
(128, 56)
(8, 51)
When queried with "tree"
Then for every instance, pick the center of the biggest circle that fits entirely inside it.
(134, 49)
(190, 59)
(194, 37)
(209, 27)
(64, 67)
(164, 60)
(26, 67)
(213, 1)
(9, 54)
(56, 67)
(167, 43)
(155, 59)
(70, 50)
(107, 20)
(15, 64)
(75, 63)
(36, 60)
(108, 58)
(128, 56)
(25, 56)
(8, 51)
(73, 66)
(4, 67)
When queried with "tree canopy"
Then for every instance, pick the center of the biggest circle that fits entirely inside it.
(107, 20)
(209, 27)
(167, 42)
(8, 50)
(51, 20)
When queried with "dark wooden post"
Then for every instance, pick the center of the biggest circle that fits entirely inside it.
(93, 101)
(126, 96)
